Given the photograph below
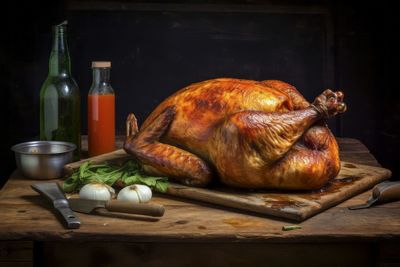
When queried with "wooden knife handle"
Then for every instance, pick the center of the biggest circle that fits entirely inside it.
(387, 191)
(154, 210)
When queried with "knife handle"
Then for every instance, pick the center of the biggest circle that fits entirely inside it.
(70, 218)
(387, 191)
(53, 193)
(154, 210)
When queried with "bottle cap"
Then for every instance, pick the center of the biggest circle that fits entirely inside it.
(101, 64)
(60, 28)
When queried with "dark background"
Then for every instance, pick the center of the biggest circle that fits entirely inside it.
(159, 47)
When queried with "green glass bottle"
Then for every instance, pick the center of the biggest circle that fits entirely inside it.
(60, 96)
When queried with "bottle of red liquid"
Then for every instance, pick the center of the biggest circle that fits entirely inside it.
(101, 111)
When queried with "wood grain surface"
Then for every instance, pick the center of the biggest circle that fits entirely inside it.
(26, 216)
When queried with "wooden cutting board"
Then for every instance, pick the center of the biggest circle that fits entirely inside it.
(352, 180)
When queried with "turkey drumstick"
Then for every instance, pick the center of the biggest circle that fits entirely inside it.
(255, 144)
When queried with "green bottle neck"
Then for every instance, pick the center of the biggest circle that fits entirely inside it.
(60, 62)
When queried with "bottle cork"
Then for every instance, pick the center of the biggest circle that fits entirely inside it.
(101, 64)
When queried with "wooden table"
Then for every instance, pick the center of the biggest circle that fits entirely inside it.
(197, 234)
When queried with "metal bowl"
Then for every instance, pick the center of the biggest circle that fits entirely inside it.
(43, 159)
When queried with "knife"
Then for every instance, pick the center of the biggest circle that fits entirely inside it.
(381, 193)
(88, 206)
(53, 193)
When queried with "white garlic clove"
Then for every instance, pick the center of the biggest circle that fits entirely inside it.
(145, 193)
(128, 195)
(97, 191)
(136, 193)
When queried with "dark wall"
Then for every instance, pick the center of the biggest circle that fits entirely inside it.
(157, 48)
(366, 56)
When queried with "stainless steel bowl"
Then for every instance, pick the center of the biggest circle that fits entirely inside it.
(43, 159)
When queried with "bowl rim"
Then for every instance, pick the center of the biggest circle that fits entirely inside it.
(17, 148)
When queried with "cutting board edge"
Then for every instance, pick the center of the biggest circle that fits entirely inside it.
(298, 215)
(342, 162)
(220, 200)
(114, 155)
(360, 190)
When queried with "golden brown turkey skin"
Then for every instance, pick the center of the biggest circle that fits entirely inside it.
(249, 134)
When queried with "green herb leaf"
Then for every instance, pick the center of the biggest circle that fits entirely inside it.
(290, 227)
(71, 183)
(129, 173)
(158, 183)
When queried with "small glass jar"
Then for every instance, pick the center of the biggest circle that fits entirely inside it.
(101, 111)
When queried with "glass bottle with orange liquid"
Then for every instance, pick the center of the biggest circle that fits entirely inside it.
(101, 111)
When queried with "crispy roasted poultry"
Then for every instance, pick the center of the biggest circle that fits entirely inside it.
(250, 134)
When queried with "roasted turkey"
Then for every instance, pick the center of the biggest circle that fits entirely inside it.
(250, 134)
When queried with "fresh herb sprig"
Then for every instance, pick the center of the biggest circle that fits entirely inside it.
(130, 172)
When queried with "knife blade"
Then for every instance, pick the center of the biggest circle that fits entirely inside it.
(53, 193)
(88, 206)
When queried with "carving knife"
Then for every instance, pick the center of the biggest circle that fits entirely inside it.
(88, 206)
(53, 193)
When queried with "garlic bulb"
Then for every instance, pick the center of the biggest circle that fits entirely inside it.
(96, 191)
(136, 193)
